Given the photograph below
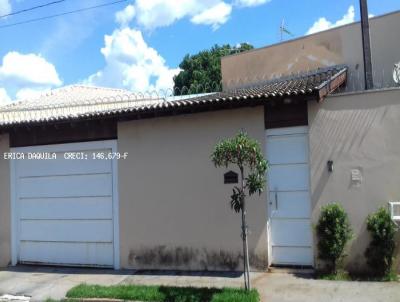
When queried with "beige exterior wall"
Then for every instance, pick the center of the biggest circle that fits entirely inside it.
(356, 131)
(5, 223)
(174, 206)
(341, 45)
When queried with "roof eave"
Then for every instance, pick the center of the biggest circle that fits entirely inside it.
(218, 102)
(331, 85)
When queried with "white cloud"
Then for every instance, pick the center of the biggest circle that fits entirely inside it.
(21, 75)
(4, 98)
(151, 14)
(214, 16)
(123, 17)
(132, 64)
(5, 7)
(324, 24)
(250, 3)
(28, 68)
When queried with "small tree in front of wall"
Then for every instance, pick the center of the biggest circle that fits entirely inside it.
(244, 153)
(333, 232)
(380, 251)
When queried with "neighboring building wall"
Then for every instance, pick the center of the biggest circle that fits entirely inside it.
(356, 131)
(174, 206)
(5, 212)
(342, 45)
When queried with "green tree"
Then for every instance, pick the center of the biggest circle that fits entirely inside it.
(202, 72)
(245, 154)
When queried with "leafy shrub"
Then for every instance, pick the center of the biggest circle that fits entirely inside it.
(380, 251)
(333, 231)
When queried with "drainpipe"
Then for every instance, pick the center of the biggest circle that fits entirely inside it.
(366, 41)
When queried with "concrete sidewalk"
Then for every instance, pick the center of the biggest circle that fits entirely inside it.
(280, 287)
(41, 283)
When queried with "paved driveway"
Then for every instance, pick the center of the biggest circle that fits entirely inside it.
(41, 283)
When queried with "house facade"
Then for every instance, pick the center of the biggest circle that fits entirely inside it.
(99, 177)
(353, 128)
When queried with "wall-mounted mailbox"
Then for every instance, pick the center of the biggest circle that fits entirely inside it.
(356, 177)
(231, 177)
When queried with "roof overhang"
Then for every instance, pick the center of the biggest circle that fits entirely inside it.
(332, 85)
(316, 85)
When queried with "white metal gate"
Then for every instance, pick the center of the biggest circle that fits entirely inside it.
(289, 196)
(64, 209)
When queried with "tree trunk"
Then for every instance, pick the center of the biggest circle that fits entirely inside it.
(244, 252)
(246, 263)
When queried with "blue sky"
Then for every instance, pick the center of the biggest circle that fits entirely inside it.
(137, 45)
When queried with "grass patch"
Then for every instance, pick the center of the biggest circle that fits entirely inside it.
(236, 295)
(339, 276)
(124, 292)
(163, 293)
(345, 276)
(63, 300)
(390, 277)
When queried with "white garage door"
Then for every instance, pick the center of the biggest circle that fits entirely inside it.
(289, 196)
(63, 208)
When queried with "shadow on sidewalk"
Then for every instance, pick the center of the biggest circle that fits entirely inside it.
(108, 271)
